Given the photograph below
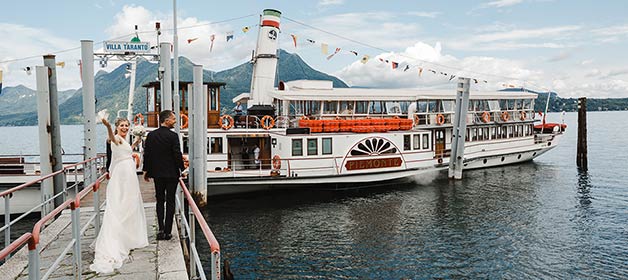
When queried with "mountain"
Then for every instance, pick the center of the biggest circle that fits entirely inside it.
(20, 99)
(558, 104)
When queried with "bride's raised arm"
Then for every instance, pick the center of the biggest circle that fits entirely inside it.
(112, 137)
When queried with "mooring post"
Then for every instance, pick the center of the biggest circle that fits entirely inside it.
(581, 157)
(456, 160)
(45, 136)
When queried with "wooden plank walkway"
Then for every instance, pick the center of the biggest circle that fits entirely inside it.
(159, 260)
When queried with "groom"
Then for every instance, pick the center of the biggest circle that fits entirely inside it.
(163, 162)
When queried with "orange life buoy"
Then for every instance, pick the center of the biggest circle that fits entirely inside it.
(505, 116)
(228, 124)
(522, 115)
(138, 119)
(486, 117)
(184, 121)
(271, 122)
(440, 119)
(276, 162)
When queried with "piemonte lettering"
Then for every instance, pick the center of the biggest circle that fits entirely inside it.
(122, 47)
(373, 163)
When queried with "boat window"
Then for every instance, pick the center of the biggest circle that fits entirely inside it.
(327, 150)
(213, 99)
(361, 107)
(493, 136)
(486, 135)
(480, 134)
(426, 141)
(312, 147)
(406, 142)
(417, 142)
(394, 108)
(474, 134)
(346, 107)
(377, 107)
(330, 107)
(493, 105)
(466, 135)
(527, 104)
(433, 107)
(215, 145)
(422, 107)
(449, 106)
(297, 147)
(405, 105)
(504, 132)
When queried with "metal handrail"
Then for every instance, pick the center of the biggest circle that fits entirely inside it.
(25, 238)
(189, 228)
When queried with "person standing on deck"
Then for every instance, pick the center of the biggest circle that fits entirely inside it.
(164, 163)
(256, 154)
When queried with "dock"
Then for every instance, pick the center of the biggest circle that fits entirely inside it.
(159, 260)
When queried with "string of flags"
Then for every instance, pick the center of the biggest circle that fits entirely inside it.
(229, 36)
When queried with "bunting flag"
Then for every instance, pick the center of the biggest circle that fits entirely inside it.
(332, 55)
(80, 64)
(364, 59)
(28, 70)
(0, 82)
(61, 64)
(452, 77)
(310, 41)
(354, 52)
(294, 39)
(508, 85)
(433, 71)
(212, 38)
(475, 81)
(381, 59)
(192, 40)
(407, 68)
(324, 48)
(420, 71)
(395, 65)
(229, 36)
(245, 29)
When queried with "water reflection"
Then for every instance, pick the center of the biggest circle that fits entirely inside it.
(584, 188)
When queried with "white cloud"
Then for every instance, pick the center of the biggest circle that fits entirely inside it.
(511, 40)
(503, 3)
(425, 14)
(323, 3)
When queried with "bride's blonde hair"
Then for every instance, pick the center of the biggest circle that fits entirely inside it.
(118, 122)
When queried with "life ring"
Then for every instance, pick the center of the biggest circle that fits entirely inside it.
(522, 115)
(440, 119)
(416, 119)
(184, 121)
(271, 122)
(486, 117)
(228, 124)
(276, 162)
(138, 119)
(505, 116)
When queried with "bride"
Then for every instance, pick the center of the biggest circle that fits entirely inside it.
(124, 223)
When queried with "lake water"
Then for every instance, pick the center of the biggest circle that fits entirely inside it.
(541, 219)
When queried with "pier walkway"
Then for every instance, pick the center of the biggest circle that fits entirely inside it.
(159, 260)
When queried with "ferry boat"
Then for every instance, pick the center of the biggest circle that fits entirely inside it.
(308, 134)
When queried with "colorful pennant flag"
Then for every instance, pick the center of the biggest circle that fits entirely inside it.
(324, 48)
(407, 68)
(364, 59)
(420, 71)
(192, 40)
(245, 29)
(452, 77)
(0, 82)
(310, 41)
(229, 36)
(395, 65)
(212, 38)
(61, 64)
(294, 39)
(332, 55)
(354, 52)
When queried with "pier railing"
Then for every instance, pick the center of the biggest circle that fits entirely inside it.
(72, 171)
(189, 230)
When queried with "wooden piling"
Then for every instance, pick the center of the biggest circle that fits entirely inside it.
(581, 154)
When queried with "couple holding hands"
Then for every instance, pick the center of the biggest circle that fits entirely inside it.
(124, 222)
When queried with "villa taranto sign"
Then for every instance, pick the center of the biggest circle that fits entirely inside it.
(126, 47)
(373, 163)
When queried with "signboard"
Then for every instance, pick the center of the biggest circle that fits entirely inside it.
(373, 163)
(126, 47)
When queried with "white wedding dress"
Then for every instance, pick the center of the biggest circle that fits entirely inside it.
(124, 223)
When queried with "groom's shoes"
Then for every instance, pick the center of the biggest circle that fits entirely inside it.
(163, 236)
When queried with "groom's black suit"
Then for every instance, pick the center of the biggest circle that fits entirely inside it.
(163, 162)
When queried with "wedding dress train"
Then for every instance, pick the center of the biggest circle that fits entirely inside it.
(124, 222)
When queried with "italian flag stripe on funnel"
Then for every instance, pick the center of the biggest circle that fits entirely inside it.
(271, 18)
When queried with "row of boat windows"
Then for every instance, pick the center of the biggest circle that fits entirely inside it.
(416, 142)
(312, 146)
(308, 108)
(498, 132)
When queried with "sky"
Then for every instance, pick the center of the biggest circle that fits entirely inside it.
(574, 48)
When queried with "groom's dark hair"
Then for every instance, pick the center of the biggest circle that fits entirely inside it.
(163, 115)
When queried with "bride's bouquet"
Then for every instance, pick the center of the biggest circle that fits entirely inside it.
(102, 114)
(139, 130)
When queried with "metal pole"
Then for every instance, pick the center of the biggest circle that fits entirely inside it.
(76, 235)
(129, 115)
(55, 128)
(192, 244)
(33, 263)
(45, 151)
(89, 106)
(176, 97)
(191, 131)
(166, 90)
(459, 129)
(200, 133)
(7, 220)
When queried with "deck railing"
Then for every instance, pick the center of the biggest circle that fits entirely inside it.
(69, 170)
(188, 227)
